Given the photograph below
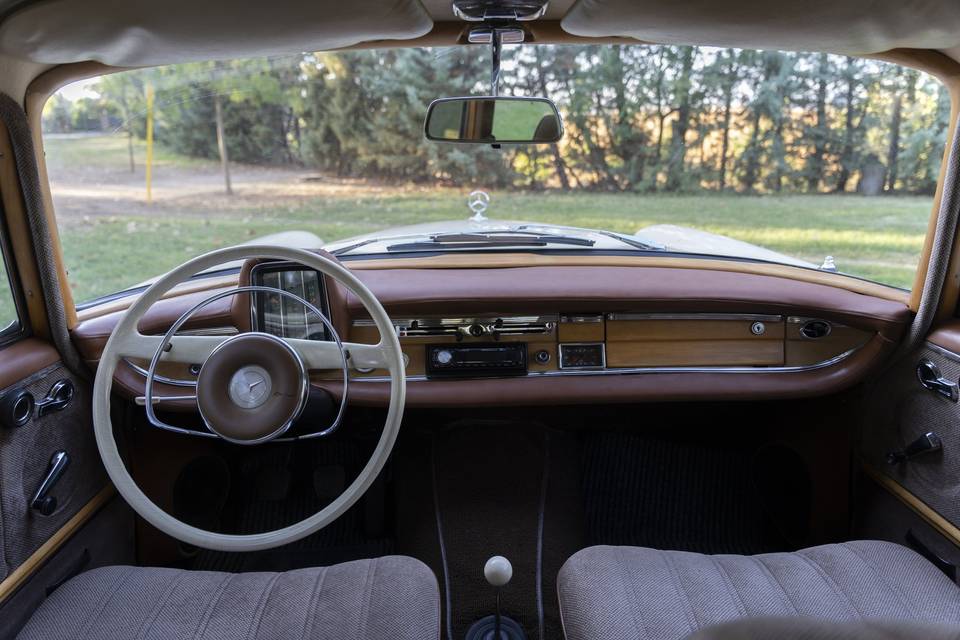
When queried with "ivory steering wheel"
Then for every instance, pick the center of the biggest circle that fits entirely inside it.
(253, 417)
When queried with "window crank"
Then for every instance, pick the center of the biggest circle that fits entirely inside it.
(42, 501)
(927, 443)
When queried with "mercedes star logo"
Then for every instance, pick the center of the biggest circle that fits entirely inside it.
(250, 387)
(478, 201)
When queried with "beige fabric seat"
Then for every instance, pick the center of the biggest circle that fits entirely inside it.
(813, 629)
(386, 598)
(615, 593)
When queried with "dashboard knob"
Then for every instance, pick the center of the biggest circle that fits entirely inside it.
(476, 330)
(542, 356)
(444, 357)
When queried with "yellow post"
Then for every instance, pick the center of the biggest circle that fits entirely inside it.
(149, 163)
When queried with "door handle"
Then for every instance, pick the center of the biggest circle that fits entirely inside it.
(931, 378)
(58, 398)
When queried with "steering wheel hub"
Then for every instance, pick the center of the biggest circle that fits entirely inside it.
(252, 388)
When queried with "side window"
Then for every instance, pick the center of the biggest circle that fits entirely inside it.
(9, 321)
(11, 327)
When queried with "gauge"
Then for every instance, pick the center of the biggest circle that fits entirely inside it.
(284, 316)
(582, 356)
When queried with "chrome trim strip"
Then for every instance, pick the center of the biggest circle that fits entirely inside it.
(647, 370)
(173, 382)
(940, 350)
(586, 318)
(748, 317)
(437, 322)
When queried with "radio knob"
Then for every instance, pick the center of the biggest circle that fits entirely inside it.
(444, 357)
(476, 330)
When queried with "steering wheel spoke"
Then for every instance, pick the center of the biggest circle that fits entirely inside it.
(183, 349)
(326, 355)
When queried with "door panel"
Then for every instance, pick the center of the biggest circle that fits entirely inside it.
(899, 411)
(26, 451)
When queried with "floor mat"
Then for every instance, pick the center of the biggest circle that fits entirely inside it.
(496, 489)
(288, 483)
(686, 494)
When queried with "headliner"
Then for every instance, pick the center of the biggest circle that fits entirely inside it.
(153, 32)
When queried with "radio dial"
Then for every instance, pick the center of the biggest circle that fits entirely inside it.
(444, 357)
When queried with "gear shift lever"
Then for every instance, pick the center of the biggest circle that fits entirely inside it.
(497, 571)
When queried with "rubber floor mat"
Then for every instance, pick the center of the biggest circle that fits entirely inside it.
(672, 493)
(282, 485)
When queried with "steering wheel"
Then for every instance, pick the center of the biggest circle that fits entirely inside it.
(248, 416)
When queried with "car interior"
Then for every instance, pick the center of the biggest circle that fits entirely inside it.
(472, 432)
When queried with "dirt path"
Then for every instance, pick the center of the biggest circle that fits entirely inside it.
(81, 193)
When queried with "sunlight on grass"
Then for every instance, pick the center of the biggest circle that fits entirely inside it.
(116, 241)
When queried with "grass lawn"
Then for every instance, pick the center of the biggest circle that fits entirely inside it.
(879, 238)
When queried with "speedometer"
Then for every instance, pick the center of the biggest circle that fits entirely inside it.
(283, 316)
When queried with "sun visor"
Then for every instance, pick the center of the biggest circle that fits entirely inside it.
(840, 26)
(132, 33)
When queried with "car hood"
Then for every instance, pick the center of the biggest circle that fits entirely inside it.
(666, 237)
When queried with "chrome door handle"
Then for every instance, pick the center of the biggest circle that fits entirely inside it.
(931, 378)
(58, 398)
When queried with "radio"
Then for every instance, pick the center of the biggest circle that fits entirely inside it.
(476, 360)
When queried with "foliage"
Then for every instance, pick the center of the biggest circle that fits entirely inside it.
(638, 118)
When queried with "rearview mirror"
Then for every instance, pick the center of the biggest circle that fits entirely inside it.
(494, 120)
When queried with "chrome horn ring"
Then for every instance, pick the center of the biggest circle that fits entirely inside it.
(212, 432)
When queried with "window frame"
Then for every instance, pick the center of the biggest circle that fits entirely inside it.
(20, 327)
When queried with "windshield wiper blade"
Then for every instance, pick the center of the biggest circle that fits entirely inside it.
(633, 242)
(483, 240)
(355, 245)
(628, 240)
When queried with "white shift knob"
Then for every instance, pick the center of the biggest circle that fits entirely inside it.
(498, 571)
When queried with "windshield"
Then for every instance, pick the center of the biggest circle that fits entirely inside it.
(808, 159)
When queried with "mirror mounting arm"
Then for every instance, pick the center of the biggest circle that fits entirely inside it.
(496, 48)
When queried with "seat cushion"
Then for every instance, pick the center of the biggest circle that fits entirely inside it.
(633, 592)
(385, 598)
(813, 629)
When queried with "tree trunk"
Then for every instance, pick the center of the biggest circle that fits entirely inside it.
(820, 135)
(752, 154)
(846, 153)
(558, 164)
(133, 166)
(725, 135)
(894, 152)
(222, 144)
(678, 142)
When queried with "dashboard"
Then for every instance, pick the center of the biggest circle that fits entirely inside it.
(574, 332)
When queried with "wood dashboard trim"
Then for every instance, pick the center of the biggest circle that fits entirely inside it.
(611, 386)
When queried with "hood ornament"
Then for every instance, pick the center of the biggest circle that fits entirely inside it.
(478, 201)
